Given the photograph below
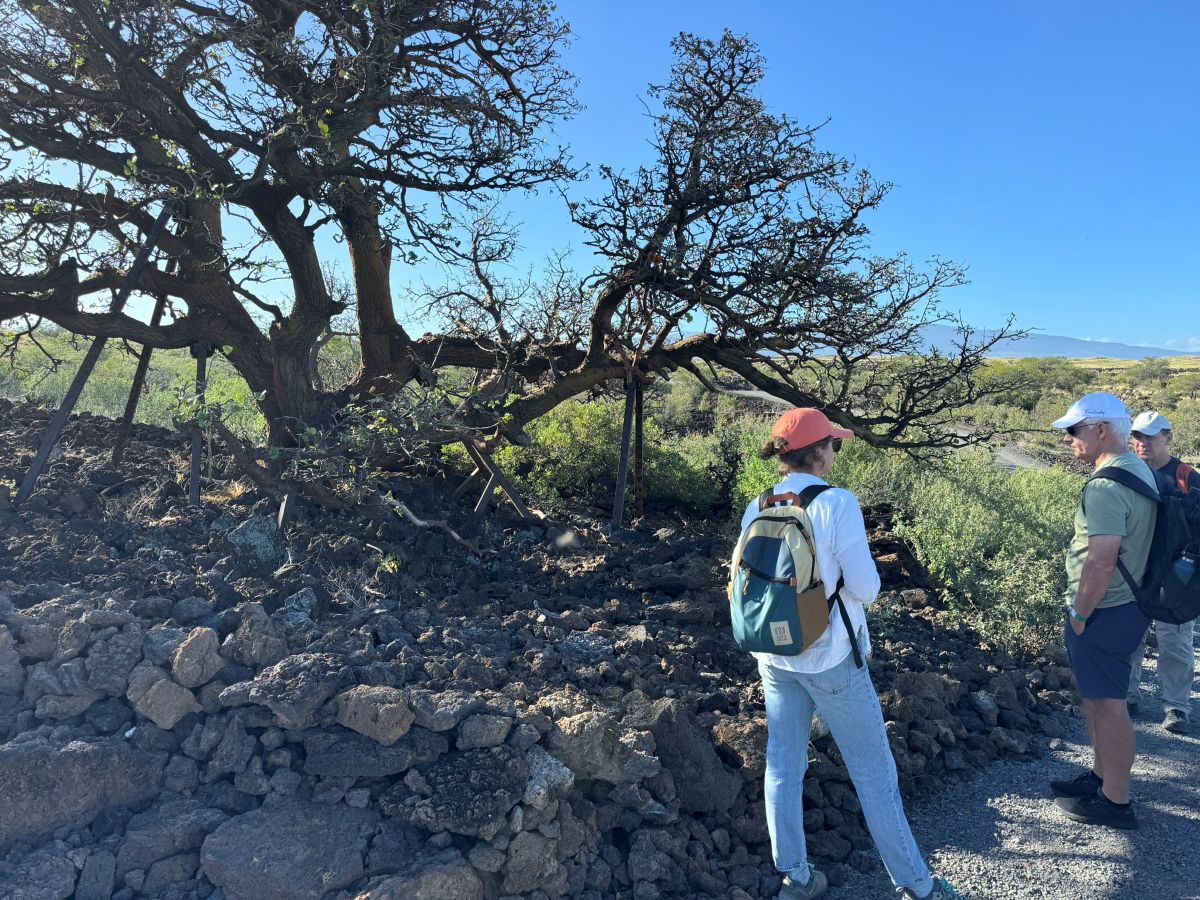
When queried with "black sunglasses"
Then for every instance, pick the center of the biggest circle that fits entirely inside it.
(1073, 430)
(836, 443)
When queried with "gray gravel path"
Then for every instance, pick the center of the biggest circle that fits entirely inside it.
(1000, 837)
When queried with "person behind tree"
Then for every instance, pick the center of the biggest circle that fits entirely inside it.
(830, 679)
(1103, 622)
(1176, 650)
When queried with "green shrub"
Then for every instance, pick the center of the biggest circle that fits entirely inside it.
(1032, 378)
(676, 404)
(995, 540)
(172, 373)
(576, 448)
(754, 475)
(1185, 429)
(1004, 418)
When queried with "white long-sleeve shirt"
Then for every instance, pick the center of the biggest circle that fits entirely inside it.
(840, 537)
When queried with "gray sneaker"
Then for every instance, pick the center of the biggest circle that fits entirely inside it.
(816, 886)
(1176, 721)
(942, 890)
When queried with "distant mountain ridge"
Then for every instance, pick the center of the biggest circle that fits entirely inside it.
(942, 337)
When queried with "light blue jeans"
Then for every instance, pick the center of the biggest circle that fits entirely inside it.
(846, 699)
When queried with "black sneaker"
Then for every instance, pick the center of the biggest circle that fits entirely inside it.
(1084, 785)
(1097, 810)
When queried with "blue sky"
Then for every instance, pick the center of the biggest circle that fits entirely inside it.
(1049, 146)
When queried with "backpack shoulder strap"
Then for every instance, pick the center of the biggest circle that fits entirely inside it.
(810, 493)
(806, 497)
(1183, 474)
(1128, 479)
(1135, 484)
(790, 498)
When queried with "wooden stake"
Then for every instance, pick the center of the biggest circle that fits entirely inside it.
(201, 350)
(496, 479)
(285, 513)
(466, 483)
(639, 458)
(135, 391)
(623, 466)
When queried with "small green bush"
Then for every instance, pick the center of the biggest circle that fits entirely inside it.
(677, 403)
(995, 540)
(1032, 378)
(576, 448)
(1185, 429)
(1007, 419)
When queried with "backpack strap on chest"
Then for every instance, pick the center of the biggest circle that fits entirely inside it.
(1183, 474)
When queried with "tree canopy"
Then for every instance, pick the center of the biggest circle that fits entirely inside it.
(262, 127)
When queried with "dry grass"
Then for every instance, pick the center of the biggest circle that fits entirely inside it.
(229, 492)
(1107, 363)
(1176, 363)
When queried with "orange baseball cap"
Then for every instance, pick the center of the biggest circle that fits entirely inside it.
(805, 426)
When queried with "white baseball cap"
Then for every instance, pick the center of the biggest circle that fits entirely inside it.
(1099, 405)
(1150, 423)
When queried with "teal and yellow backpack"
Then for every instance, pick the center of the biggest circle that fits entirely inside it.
(777, 599)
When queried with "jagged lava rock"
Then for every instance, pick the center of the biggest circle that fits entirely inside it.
(446, 876)
(296, 687)
(288, 850)
(198, 658)
(379, 712)
(46, 786)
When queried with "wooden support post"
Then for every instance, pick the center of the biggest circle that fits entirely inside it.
(135, 391)
(639, 457)
(285, 513)
(623, 466)
(201, 350)
(54, 429)
(496, 479)
(485, 499)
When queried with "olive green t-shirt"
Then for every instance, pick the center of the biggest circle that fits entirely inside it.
(1112, 508)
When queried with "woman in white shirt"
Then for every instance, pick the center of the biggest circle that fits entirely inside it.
(824, 678)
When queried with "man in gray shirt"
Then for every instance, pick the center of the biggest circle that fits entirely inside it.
(1176, 650)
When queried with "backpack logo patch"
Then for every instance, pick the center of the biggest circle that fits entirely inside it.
(781, 634)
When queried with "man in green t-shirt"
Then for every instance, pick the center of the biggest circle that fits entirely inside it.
(1104, 624)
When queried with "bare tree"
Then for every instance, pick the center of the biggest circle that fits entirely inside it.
(264, 124)
(742, 248)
